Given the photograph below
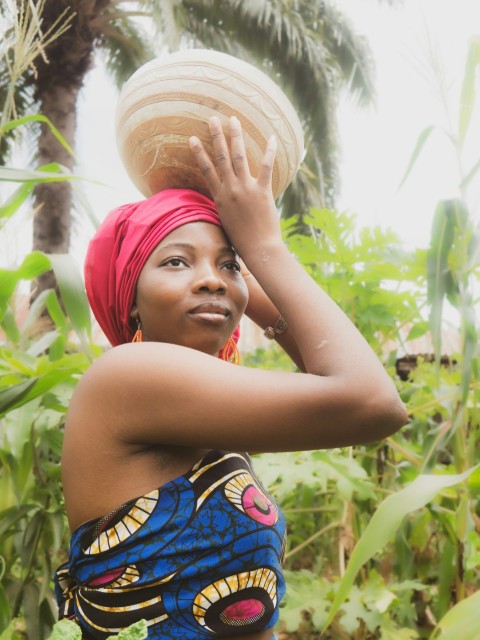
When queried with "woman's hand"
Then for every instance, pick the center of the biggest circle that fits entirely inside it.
(245, 204)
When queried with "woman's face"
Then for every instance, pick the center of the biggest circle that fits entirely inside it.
(190, 291)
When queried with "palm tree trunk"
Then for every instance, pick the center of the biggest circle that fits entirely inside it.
(53, 201)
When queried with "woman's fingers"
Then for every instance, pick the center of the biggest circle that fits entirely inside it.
(237, 148)
(264, 177)
(205, 164)
(220, 148)
(230, 162)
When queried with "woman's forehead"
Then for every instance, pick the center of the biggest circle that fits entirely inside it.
(196, 234)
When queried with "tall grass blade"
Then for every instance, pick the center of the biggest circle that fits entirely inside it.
(15, 201)
(467, 96)
(385, 522)
(53, 172)
(422, 139)
(470, 175)
(470, 341)
(37, 118)
(441, 281)
(462, 621)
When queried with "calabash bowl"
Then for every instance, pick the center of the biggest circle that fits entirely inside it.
(172, 98)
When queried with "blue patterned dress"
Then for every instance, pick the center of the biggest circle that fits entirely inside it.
(200, 557)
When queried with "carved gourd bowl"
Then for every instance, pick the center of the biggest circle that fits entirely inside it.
(171, 98)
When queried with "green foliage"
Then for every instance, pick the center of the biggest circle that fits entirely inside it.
(67, 630)
(40, 362)
(365, 273)
(383, 539)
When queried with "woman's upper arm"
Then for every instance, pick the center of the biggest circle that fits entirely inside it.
(165, 394)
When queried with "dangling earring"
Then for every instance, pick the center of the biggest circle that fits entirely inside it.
(138, 333)
(229, 352)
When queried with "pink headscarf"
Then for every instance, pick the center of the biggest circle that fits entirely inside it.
(124, 241)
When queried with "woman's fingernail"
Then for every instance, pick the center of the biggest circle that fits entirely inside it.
(215, 123)
(235, 122)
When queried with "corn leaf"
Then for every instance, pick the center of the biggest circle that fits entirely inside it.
(467, 96)
(470, 175)
(462, 621)
(441, 281)
(385, 522)
(70, 283)
(422, 139)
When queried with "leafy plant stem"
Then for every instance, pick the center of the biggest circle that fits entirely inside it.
(312, 538)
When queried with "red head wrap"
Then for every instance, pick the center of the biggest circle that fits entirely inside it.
(124, 241)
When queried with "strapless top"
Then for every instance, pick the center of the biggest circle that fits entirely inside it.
(199, 557)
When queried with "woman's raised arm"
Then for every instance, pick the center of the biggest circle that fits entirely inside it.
(167, 394)
(328, 342)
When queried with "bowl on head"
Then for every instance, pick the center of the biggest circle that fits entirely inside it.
(172, 98)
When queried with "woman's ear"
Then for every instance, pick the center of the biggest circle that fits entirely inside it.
(134, 317)
(134, 313)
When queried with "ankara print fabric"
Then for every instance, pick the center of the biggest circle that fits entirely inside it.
(200, 557)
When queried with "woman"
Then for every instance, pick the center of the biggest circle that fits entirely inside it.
(198, 554)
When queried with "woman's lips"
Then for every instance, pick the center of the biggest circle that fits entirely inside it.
(210, 312)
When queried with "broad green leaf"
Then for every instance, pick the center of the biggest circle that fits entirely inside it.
(8, 282)
(48, 299)
(42, 345)
(422, 139)
(441, 281)
(5, 615)
(137, 631)
(34, 264)
(57, 348)
(14, 395)
(9, 517)
(417, 331)
(66, 630)
(446, 575)
(467, 96)
(385, 522)
(72, 289)
(462, 621)
(9, 325)
(470, 341)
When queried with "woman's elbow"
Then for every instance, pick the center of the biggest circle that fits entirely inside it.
(385, 413)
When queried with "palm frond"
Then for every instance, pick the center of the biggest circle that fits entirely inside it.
(125, 46)
(293, 54)
(350, 52)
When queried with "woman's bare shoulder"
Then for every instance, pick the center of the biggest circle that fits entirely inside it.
(170, 395)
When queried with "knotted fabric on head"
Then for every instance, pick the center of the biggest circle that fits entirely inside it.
(124, 241)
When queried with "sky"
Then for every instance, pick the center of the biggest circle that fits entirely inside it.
(376, 142)
(419, 47)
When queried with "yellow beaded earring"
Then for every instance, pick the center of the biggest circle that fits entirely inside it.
(138, 333)
(229, 352)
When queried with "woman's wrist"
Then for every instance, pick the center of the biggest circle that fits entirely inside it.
(258, 256)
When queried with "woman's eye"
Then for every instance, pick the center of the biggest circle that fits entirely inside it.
(173, 262)
(232, 266)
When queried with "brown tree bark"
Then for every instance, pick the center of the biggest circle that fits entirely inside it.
(53, 201)
(58, 81)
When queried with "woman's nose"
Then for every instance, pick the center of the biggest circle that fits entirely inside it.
(209, 278)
